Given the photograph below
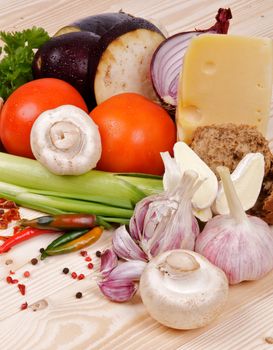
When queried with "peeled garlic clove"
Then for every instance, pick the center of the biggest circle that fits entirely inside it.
(183, 290)
(189, 160)
(66, 141)
(247, 179)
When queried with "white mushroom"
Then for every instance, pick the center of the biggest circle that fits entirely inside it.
(183, 290)
(66, 141)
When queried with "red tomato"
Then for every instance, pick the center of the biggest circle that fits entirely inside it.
(26, 103)
(134, 130)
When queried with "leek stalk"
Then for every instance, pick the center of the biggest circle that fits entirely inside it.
(109, 195)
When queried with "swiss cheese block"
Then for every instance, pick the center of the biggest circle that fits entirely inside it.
(225, 78)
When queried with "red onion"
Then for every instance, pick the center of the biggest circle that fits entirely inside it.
(167, 60)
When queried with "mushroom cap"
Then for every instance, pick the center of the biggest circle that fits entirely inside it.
(186, 301)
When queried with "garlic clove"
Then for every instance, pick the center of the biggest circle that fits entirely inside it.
(189, 160)
(172, 173)
(119, 285)
(125, 247)
(118, 290)
(247, 179)
(108, 261)
(130, 270)
(183, 290)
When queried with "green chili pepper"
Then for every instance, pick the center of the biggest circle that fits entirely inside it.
(63, 239)
(77, 244)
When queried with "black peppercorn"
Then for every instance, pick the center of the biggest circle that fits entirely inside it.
(98, 253)
(66, 270)
(78, 295)
(34, 261)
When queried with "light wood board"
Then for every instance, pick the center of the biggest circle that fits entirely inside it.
(56, 319)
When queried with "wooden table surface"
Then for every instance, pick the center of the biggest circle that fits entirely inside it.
(55, 318)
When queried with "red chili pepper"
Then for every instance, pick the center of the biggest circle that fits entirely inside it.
(21, 236)
(22, 289)
(64, 221)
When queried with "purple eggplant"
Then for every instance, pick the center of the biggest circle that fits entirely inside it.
(72, 57)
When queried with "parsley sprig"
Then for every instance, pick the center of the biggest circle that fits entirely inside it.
(18, 52)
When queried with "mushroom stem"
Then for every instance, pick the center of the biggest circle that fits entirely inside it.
(179, 263)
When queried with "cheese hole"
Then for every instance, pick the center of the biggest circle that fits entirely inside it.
(192, 114)
(209, 67)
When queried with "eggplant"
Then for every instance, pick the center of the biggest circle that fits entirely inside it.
(72, 57)
(101, 56)
(99, 24)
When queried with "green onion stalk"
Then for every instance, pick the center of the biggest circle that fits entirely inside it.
(110, 195)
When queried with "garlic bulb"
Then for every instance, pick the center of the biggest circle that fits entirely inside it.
(66, 141)
(183, 290)
(241, 245)
(160, 223)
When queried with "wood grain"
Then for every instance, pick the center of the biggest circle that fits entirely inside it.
(56, 319)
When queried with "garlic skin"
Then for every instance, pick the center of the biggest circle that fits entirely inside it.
(66, 141)
(241, 245)
(183, 290)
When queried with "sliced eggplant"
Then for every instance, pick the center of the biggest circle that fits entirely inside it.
(72, 57)
(125, 65)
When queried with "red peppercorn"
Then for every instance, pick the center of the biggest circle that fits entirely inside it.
(11, 272)
(88, 258)
(9, 279)
(90, 266)
(81, 276)
(26, 274)
(22, 289)
(84, 253)
(74, 275)
(14, 281)
(24, 306)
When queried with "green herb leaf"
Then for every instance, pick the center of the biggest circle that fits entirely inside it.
(15, 66)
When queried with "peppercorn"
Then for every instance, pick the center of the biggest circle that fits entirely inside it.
(74, 275)
(42, 250)
(26, 274)
(88, 258)
(83, 253)
(81, 276)
(9, 279)
(78, 295)
(24, 306)
(66, 270)
(34, 261)
(98, 253)
(90, 266)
